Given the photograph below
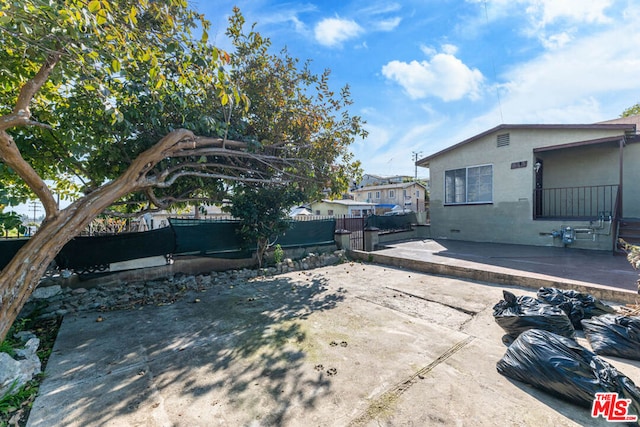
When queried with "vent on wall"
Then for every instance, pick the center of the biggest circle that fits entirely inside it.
(503, 140)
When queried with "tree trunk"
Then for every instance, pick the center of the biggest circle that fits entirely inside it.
(20, 277)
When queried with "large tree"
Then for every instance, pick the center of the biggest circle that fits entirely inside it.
(119, 100)
(294, 113)
(631, 111)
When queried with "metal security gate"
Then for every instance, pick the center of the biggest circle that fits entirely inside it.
(356, 226)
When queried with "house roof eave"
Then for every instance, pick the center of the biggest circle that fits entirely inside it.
(596, 141)
(400, 185)
(424, 162)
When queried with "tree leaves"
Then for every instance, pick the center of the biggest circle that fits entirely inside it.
(118, 57)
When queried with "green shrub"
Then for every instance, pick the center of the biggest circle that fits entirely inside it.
(278, 254)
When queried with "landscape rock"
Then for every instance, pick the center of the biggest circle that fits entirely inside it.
(14, 373)
(54, 301)
(46, 292)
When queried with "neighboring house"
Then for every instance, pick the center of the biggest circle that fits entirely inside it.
(407, 195)
(370, 179)
(153, 221)
(299, 211)
(538, 184)
(342, 207)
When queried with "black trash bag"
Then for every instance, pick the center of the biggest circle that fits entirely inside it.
(577, 305)
(563, 368)
(518, 314)
(614, 335)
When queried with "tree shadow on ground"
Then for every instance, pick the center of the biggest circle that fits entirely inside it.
(236, 352)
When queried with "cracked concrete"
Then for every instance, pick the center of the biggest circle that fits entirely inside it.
(348, 345)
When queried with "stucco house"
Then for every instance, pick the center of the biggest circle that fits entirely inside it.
(407, 195)
(540, 184)
(341, 207)
(372, 179)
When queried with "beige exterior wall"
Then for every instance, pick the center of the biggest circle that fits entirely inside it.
(325, 208)
(631, 189)
(509, 218)
(580, 166)
(328, 209)
(414, 200)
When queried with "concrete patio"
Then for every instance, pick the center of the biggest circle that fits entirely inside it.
(355, 344)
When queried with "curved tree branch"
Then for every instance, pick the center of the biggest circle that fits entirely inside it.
(21, 116)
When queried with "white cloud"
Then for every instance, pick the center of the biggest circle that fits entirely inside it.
(556, 41)
(449, 49)
(381, 8)
(594, 79)
(428, 50)
(389, 148)
(284, 17)
(333, 32)
(549, 11)
(444, 76)
(552, 22)
(545, 12)
(387, 24)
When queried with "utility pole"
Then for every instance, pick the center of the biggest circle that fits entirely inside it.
(36, 209)
(415, 155)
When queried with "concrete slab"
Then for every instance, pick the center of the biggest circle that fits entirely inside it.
(600, 273)
(348, 345)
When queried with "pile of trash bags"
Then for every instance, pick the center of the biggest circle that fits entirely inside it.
(546, 355)
(562, 367)
(614, 335)
(576, 305)
(518, 314)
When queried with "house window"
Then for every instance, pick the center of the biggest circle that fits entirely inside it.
(469, 185)
(392, 194)
(377, 194)
(330, 212)
(369, 195)
(318, 212)
(418, 194)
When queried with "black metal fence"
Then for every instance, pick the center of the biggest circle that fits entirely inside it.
(580, 203)
(354, 224)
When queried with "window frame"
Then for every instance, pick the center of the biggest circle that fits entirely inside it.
(466, 186)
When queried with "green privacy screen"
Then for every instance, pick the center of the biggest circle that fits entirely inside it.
(392, 222)
(8, 248)
(212, 238)
(308, 233)
(90, 251)
(205, 237)
(220, 238)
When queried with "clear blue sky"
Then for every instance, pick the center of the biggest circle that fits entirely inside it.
(426, 74)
